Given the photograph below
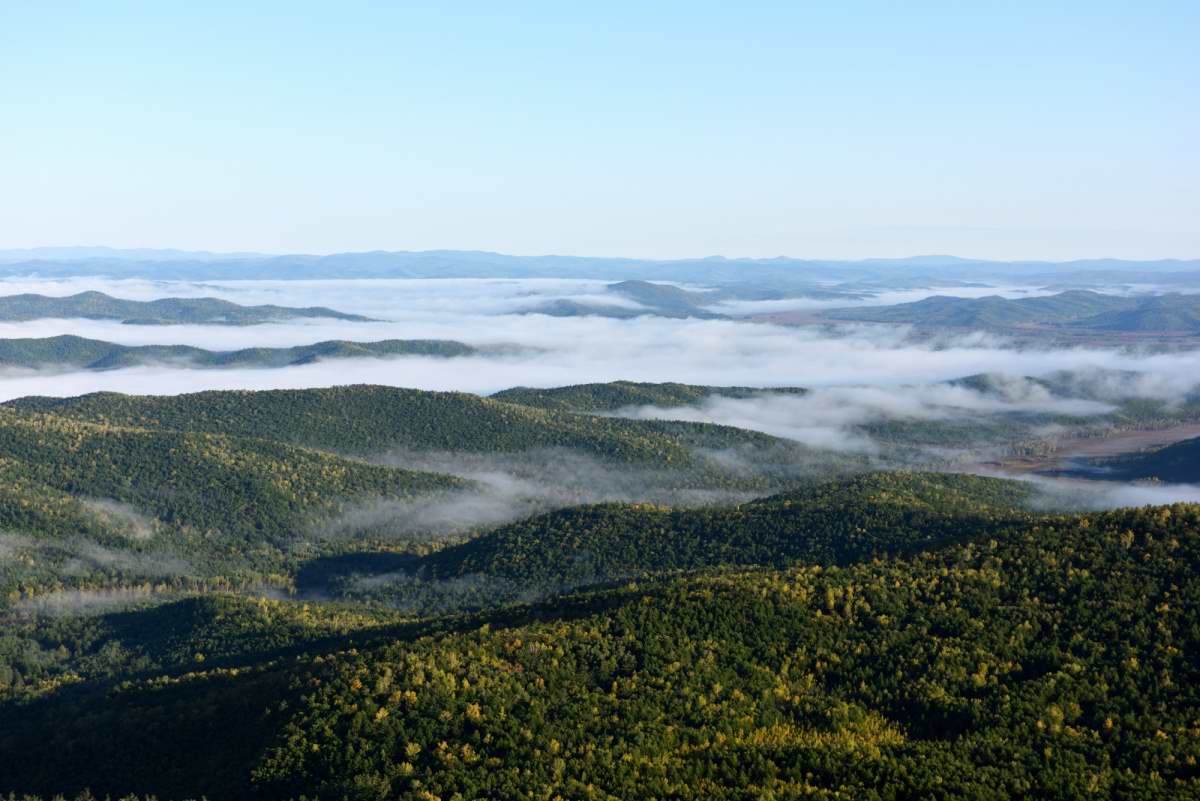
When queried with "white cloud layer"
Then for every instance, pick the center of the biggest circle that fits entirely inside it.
(565, 350)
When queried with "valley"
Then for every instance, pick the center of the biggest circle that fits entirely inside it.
(459, 578)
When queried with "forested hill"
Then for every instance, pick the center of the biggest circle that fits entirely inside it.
(1081, 310)
(874, 515)
(616, 395)
(86, 504)
(1054, 658)
(376, 419)
(667, 300)
(166, 311)
(72, 352)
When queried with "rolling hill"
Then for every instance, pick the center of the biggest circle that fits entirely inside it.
(1072, 311)
(167, 311)
(368, 419)
(667, 300)
(615, 395)
(86, 504)
(828, 522)
(1164, 313)
(989, 312)
(72, 352)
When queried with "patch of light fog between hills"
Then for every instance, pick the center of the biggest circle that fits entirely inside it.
(826, 417)
(508, 487)
(1070, 494)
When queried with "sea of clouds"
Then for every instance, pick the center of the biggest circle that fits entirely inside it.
(557, 350)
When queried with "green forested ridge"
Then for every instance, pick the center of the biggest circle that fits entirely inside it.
(1052, 658)
(874, 515)
(76, 352)
(135, 494)
(616, 395)
(1078, 309)
(374, 419)
(98, 306)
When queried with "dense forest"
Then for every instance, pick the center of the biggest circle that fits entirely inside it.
(375, 419)
(83, 503)
(1050, 658)
(863, 517)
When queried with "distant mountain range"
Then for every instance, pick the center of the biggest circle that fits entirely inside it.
(72, 352)
(716, 270)
(167, 311)
(1078, 310)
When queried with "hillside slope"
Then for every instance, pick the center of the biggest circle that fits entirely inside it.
(90, 354)
(369, 419)
(616, 395)
(1078, 308)
(166, 311)
(1174, 464)
(1056, 659)
(833, 522)
(87, 504)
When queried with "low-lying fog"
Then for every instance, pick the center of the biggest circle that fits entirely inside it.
(561, 350)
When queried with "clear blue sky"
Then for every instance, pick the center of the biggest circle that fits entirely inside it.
(834, 129)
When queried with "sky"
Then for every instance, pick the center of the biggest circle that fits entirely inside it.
(1048, 130)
